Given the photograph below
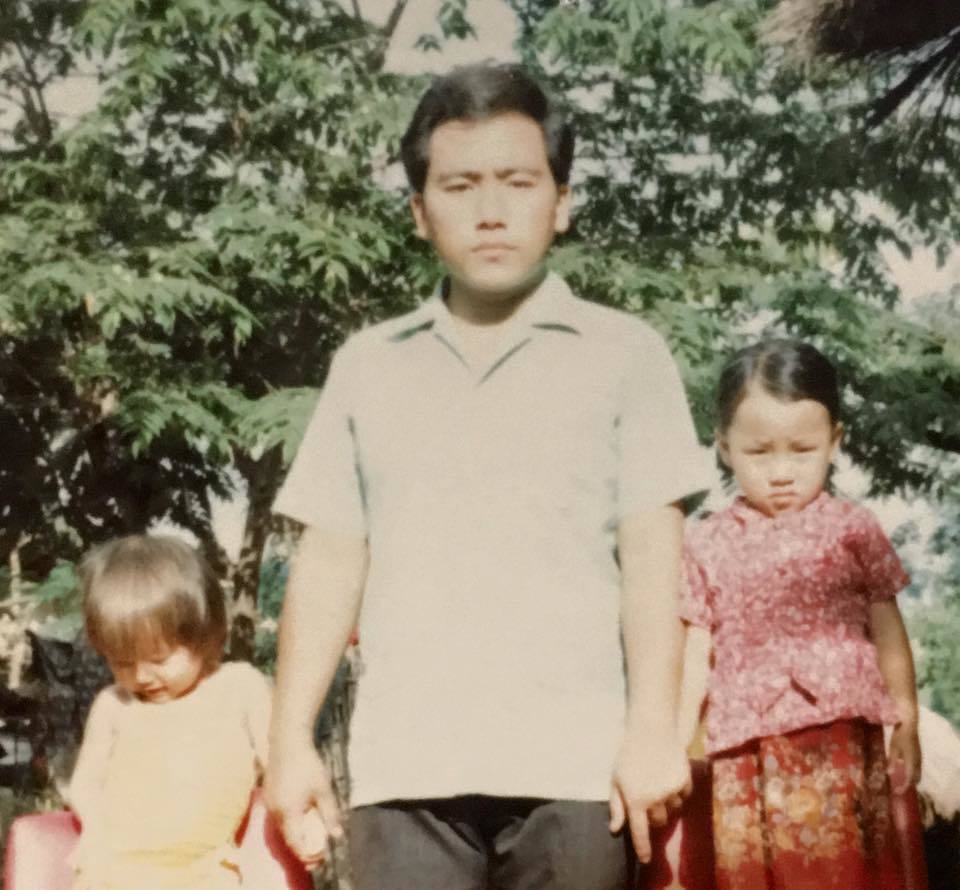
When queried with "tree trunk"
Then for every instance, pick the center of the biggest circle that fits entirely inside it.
(263, 477)
(21, 648)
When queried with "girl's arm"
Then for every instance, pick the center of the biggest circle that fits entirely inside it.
(696, 673)
(896, 664)
(86, 783)
(258, 694)
(90, 772)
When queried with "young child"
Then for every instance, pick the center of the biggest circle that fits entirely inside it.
(795, 589)
(173, 749)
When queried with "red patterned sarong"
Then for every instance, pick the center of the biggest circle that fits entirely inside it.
(810, 810)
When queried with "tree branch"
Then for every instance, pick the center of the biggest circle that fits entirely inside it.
(895, 97)
(41, 115)
(394, 18)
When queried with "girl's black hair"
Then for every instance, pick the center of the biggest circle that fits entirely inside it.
(786, 369)
(476, 92)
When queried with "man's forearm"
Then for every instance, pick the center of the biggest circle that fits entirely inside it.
(320, 610)
(696, 674)
(650, 546)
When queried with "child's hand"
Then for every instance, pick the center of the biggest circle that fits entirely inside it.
(299, 793)
(903, 757)
(311, 835)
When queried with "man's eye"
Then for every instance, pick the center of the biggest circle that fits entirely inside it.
(521, 183)
(456, 187)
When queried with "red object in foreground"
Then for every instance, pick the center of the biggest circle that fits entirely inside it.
(683, 857)
(683, 848)
(38, 846)
(909, 833)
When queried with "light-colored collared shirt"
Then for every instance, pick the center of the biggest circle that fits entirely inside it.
(787, 601)
(490, 498)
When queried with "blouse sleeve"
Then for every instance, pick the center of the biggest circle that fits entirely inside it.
(694, 588)
(83, 792)
(883, 575)
(88, 776)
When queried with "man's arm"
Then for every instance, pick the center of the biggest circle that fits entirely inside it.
(651, 766)
(696, 676)
(320, 610)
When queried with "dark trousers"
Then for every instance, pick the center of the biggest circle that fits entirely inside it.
(486, 843)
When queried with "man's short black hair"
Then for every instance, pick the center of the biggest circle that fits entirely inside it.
(475, 92)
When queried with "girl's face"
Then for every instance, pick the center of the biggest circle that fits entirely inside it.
(159, 672)
(779, 451)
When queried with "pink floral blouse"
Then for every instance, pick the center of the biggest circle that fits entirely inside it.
(786, 600)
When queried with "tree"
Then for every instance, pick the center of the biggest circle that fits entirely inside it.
(35, 50)
(178, 267)
(723, 192)
(922, 41)
(936, 628)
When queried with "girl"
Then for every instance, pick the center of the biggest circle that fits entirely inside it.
(172, 750)
(795, 591)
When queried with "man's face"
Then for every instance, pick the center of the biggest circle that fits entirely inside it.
(490, 207)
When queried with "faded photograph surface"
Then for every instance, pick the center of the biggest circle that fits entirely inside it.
(544, 412)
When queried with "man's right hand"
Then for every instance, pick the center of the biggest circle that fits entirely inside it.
(299, 795)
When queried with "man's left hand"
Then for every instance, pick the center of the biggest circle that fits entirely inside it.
(648, 781)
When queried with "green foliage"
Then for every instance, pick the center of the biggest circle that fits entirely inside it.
(273, 579)
(723, 193)
(177, 268)
(938, 664)
(935, 627)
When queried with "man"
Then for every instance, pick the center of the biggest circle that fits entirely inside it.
(496, 476)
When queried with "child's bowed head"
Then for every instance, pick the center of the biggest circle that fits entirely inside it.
(142, 591)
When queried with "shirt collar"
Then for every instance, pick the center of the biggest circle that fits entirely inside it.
(747, 514)
(551, 306)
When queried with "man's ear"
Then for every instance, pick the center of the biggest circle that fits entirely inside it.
(419, 212)
(561, 213)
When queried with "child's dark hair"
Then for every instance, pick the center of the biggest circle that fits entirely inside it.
(475, 92)
(144, 588)
(786, 369)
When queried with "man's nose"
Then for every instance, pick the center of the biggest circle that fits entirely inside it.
(489, 207)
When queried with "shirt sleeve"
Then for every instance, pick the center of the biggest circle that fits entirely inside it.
(883, 575)
(323, 487)
(694, 589)
(661, 460)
